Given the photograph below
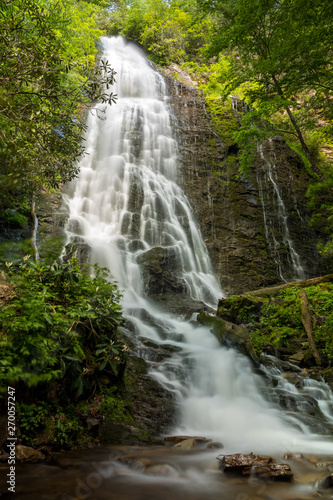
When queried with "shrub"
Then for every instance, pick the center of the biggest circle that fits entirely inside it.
(61, 323)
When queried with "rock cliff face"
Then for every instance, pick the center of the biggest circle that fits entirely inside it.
(256, 226)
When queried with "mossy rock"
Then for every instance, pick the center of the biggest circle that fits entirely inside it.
(328, 376)
(149, 407)
(239, 309)
(230, 335)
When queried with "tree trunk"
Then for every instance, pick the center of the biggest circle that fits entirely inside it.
(33, 240)
(299, 133)
(307, 323)
(274, 290)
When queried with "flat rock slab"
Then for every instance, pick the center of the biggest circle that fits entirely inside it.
(178, 439)
(192, 443)
(237, 462)
(250, 465)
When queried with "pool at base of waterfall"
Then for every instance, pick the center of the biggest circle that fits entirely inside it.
(163, 473)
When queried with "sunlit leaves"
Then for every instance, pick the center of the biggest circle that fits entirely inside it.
(48, 77)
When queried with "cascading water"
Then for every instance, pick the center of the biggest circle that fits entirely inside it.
(126, 202)
(265, 179)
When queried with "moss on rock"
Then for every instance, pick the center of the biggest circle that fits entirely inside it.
(230, 335)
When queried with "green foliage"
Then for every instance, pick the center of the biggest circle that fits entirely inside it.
(14, 251)
(112, 407)
(281, 321)
(61, 426)
(169, 31)
(14, 219)
(223, 120)
(283, 50)
(31, 418)
(47, 76)
(65, 428)
(60, 323)
(322, 213)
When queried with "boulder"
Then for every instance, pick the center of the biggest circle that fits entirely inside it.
(161, 267)
(133, 463)
(164, 470)
(293, 456)
(276, 472)
(192, 442)
(326, 483)
(188, 444)
(176, 439)
(27, 454)
(239, 461)
(297, 358)
(250, 465)
(80, 249)
(180, 304)
(92, 423)
(151, 408)
(215, 445)
(239, 309)
(3, 456)
(230, 334)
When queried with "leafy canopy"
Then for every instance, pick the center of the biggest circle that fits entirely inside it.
(47, 79)
(284, 48)
(169, 31)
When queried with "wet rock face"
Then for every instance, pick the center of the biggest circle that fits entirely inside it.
(233, 210)
(160, 267)
(78, 249)
(151, 408)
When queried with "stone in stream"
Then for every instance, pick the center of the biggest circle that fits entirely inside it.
(297, 358)
(165, 470)
(215, 445)
(276, 472)
(191, 442)
(326, 483)
(293, 456)
(135, 463)
(250, 465)
(27, 454)
(177, 439)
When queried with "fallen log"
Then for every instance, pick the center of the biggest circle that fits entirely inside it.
(274, 290)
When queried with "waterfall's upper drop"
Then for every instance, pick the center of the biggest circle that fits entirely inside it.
(135, 78)
(127, 190)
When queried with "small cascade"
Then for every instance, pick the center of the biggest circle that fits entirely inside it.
(276, 228)
(126, 205)
(304, 399)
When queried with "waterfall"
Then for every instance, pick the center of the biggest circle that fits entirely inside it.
(127, 200)
(277, 235)
(125, 203)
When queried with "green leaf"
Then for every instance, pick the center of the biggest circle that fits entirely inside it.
(102, 365)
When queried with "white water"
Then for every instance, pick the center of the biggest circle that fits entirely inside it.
(132, 145)
(270, 178)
